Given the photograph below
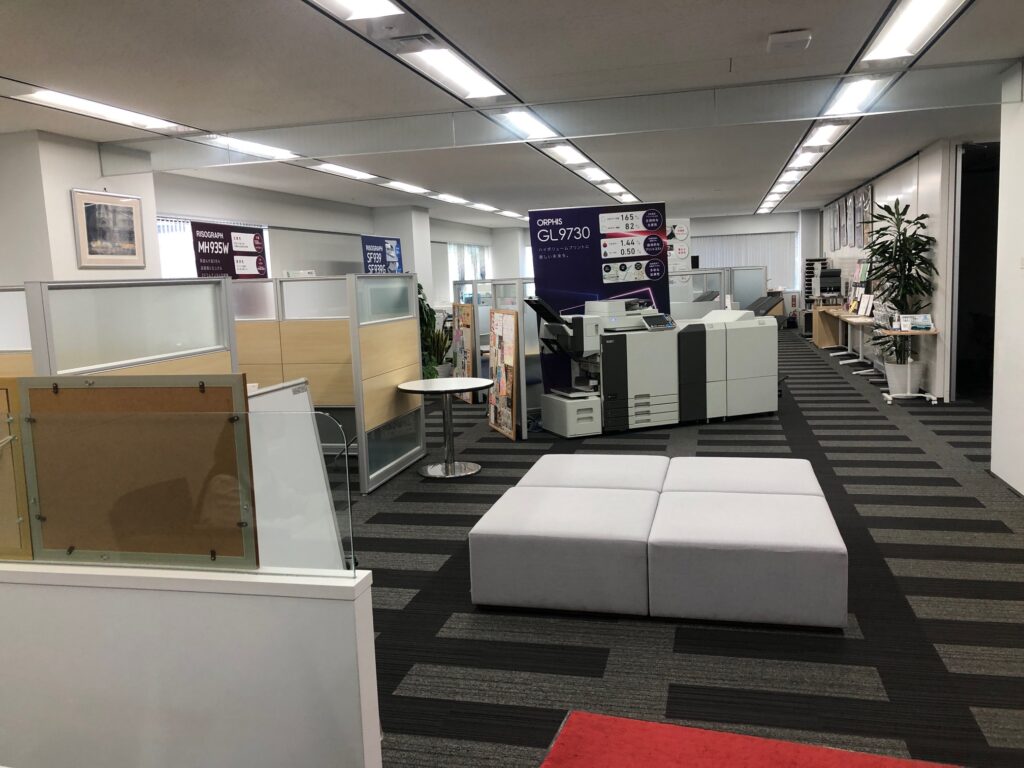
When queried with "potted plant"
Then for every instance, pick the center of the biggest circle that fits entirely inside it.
(901, 272)
(428, 322)
(439, 342)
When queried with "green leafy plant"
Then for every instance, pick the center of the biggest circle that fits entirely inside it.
(428, 324)
(901, 270)
(439, 341)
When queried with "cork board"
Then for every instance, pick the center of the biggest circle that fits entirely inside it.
(152, 469)
(501, 398)
(15, 540)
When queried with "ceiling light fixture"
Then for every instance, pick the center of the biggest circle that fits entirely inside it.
(452, 199)
(98, 110)
(855, 96)
(410, 188)
(910, 27)
(340, 170)
(824, 135)
(252, 148)
(774, 197)
(593, 173)
(484, 207)
(613, 188)
(367, 9)
(791, 177)
(526, 125)
(805, 160)
(511, 214)
(566, 154)
(454, 73)
(628, 198)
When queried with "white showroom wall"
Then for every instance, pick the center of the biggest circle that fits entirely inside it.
(1007, 404)
(712, 226)
(25, 253)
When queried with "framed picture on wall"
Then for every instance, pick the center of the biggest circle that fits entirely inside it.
(867, 211)
(843, 232)
(108, 230)
(834, 222)
(858, 218)
(850, 205)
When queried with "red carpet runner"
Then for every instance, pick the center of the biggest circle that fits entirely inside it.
(598, 741)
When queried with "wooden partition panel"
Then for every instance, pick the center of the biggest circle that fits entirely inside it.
(15, 539)
(199, 365)
(15, 364)
(382, 401)
(315, 341)
(258, 342)
(140, 471)
(384, 347)
(263, 375)
(329, 383)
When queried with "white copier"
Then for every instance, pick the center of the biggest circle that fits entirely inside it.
(728, 365)
(624, 368)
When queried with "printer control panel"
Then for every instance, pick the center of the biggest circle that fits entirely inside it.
(659, 322)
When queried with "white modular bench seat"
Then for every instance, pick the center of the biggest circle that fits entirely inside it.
(639, 473)
(580, 549)
(741, 475)
(775, 558)
(732, 539)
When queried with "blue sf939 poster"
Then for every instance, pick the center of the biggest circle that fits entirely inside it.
(382, 255)
(599, 253)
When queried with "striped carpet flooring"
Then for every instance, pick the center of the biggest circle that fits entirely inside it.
(931, 665)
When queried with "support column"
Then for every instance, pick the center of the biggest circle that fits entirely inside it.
(411, 224)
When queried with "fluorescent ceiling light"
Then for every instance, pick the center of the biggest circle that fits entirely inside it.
(452, 199)
(353, 10)
(855, 96)
(526, 125)
(451, 71)
(525, 218)
(341, 170)
(774, 197)
(824, 135)
(567, 154)
(791, 177)
(412, 188)
(805, 160)
(764, 210)
(253, 148)
(593, 173)
(912, 25)
(613, 188)
(96, 109)
(628, 198)
(483, 207)
(511, 214)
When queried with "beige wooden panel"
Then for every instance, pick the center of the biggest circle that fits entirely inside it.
(388, 347)
(16, 364)
(258, 342)
(15, 539)
(212, 362)
(382, 401)
(329, 383)
(264, 375)
(315, 341)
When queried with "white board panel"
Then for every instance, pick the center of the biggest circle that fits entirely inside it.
(14, 334)
(295, 522)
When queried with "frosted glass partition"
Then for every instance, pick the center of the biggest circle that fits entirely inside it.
(463, 293)
(394, 441)
(383, 298)
(254, 299)
(748, 285)
(314, 299)
(110, 325)
(14, 335)
(505, 296)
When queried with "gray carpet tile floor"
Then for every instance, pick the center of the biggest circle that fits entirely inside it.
(931, 665)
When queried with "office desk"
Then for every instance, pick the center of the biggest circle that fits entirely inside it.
(827, 330)
(860, 322)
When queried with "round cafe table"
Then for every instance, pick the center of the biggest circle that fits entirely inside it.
(446, 388)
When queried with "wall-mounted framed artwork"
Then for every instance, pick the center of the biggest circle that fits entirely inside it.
(108, 230)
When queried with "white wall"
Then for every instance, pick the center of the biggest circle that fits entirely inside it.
(411, 224)
(710, 226)
(452, 232)
(507, 253)
(25, 249)
(442, 279)
(68, 164)
(1008, 374)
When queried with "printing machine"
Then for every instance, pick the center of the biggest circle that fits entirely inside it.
(633, 367)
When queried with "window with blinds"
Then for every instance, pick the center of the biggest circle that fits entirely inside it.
(775, 250)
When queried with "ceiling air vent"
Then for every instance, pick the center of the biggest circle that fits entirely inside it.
(789, 40)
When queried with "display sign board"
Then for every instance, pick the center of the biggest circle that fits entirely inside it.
(225, 250)
(463, 345)
(679, 254)
(599, 253)
(501, 398)
(382, 255)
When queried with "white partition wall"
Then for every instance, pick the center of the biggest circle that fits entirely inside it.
(145, 326)
(15, 339)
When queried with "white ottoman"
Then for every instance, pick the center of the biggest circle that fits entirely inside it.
(775, 559)
(578, 549)
(741, 475)
(641, 473)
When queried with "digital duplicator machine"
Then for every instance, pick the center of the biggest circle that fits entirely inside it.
(631, 366)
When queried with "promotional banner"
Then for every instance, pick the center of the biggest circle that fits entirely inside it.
(382, 255)
(600, 252)
(679, 255)
(224, 250)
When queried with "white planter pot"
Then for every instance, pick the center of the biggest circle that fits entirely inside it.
(444, 370)
(896, 376)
